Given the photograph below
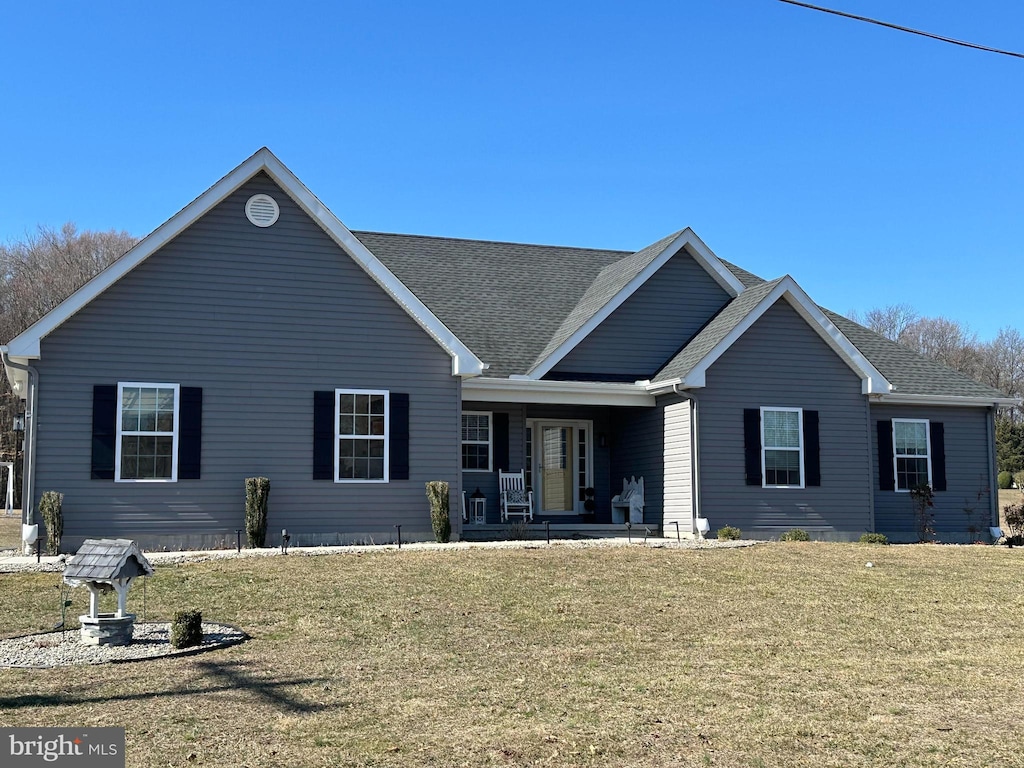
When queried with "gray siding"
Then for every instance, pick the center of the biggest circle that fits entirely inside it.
(639, 451)
(260, 319)
(969, 451)
(780, 361)
(651, 326)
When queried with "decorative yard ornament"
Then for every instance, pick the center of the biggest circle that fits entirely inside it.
(104, 565)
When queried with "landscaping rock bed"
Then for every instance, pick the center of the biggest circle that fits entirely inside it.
(151, 641)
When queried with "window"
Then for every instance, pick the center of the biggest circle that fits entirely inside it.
(911, 457)
(147, 432)
(361, 430)
(782, 452)
(476, 441)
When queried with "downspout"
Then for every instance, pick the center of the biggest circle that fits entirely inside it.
(28, 467)
(694, 447)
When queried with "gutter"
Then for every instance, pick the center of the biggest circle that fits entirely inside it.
(28, 467)
(968, 401)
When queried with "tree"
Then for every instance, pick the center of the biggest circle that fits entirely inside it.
(950, 342)
(888, 321)
(37, 274)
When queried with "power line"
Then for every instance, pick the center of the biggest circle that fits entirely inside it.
(964, 43)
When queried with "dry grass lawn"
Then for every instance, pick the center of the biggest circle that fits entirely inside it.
(778, 655)
(10, 530)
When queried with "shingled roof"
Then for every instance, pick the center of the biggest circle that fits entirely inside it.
(514, 304)
(107, 559)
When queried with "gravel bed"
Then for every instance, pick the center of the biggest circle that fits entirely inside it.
(14, 563)
(151, 640)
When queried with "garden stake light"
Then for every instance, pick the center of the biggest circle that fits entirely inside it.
(399, 536)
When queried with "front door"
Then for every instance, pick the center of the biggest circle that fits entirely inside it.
(561, 464)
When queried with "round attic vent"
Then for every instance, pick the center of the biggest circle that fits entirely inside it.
(262, 210)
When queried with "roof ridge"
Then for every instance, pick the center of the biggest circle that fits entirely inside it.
(494, 242)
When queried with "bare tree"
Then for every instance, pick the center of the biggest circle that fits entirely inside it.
(950, 342)
(36, 274)
(890, 321)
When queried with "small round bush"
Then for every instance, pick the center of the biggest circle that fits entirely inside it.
(1005, 480)
(795, 534)
(187, 628)
(729, 533)
(874, 538)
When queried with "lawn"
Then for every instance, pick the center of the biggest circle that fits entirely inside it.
(776, 655)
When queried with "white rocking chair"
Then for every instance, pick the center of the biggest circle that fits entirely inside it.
(514, 498)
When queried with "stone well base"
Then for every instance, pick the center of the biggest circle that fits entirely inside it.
(107, 629)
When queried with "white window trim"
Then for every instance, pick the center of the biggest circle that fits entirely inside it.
(489, 442)
(896, 456)
(174, 435)
(386, 437)
(764, 448)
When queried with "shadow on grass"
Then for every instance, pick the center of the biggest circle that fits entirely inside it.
(218, 677)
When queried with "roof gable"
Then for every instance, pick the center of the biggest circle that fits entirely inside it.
(689, 368)
(620, 280)
(26, 346)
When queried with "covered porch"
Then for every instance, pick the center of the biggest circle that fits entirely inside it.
(575, 446)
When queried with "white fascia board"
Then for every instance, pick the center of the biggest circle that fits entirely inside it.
(555, 392)
(464, 362)
(872, 381)
(686, 240)
(899, 398)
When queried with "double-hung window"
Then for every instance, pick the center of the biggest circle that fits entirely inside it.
(911, 455)
(476, 441)
(782, 448)
(147, 432)
(361, 435)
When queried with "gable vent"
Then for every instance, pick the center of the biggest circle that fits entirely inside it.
(262, 210)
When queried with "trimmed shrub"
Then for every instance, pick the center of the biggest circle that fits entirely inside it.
(50, 504)
(257, 493)
(437, 495)
(874, 538)
(1005, 480)
(729, 533)
(795, 534)
(187, 628)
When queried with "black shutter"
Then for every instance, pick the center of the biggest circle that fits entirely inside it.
(752, 445)
(104, 431)
(190, 432)
(500, 440)
(812, 449)
(886, 474)
(938, 446)
(398, 428)
(323, 435)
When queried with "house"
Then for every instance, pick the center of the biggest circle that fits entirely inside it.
(254, 334)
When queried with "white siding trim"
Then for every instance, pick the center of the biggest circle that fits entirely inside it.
(556, 392)
(464, 363)
(679, 470)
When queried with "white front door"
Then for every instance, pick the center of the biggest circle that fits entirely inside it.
(561, 468)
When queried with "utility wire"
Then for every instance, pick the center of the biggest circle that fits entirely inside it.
(905, 29)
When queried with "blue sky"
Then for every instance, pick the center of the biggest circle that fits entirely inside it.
(874, 166)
